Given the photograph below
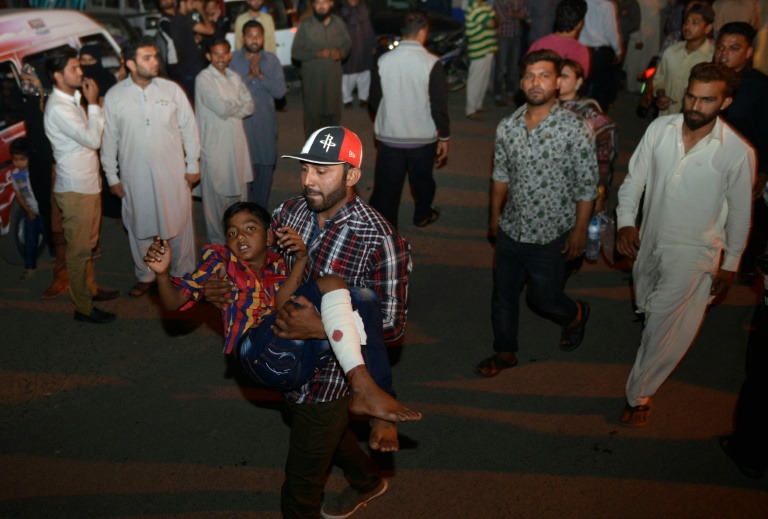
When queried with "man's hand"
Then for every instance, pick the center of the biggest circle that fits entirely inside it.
(90, 91)
(575, 245)
(442, 153)
(192, 179)
(117, 190)
(335, 54)
(324, 53)
(383, 436)
(722, 282)
(757, 191)
(663, 102)
(255, 68)
(299, 323)
(218, 291)
(628, 241)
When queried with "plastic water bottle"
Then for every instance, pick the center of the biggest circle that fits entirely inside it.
(593, 238)
(607, 236)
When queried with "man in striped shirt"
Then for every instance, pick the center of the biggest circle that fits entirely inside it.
(480, 26)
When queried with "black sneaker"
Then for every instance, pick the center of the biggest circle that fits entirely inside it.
(96, 316)
(347, 503)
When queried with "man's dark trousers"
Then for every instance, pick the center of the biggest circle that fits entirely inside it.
(392, 164)
(542, 268)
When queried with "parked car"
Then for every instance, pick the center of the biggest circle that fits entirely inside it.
(446, 37)
(29, 36)
(116, 24)
(141, 14)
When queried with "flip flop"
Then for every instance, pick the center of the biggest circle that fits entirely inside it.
(434, 214)
(493, 365)
(636, 416)
(572, 337)
(139, 289)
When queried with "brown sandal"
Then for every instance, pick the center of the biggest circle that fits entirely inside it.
(636, 416)
(493, 365)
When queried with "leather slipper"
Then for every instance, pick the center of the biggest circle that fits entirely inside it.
(572, 337)
(636, 416)
(493, 365)
(139, 289)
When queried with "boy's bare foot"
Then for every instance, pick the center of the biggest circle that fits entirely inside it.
(383, 436)
(368, 398)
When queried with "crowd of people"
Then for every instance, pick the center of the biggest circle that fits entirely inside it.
(329, 271)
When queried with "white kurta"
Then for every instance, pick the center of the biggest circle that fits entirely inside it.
(696, 205)
(221, 103)
(149, 136)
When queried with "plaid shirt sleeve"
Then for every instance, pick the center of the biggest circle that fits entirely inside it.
(390, 266)
(191, 285)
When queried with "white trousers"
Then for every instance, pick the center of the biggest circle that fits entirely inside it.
(477, 82)
(668, 333)
(182, 252)
(214, 206)
(361, 80)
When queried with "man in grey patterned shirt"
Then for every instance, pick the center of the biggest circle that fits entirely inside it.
(545, 181)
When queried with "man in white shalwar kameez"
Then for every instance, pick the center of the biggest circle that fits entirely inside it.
(221, 102)
(697, 175)
(150, 154)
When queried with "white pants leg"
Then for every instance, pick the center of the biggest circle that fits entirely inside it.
(182, 259)
(214, 206)
(667, 336)
(347, 87)
(477, 82)
(363, 85)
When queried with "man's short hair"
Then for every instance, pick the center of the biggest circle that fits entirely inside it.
(131, 46)
(57, 62)
(703, 9)
(708, 72)
(256, 210)
(250, 24)
(20, 147)
(542, 55)
(413, 21)
(220, 41)
(742, 28)
(568, 15)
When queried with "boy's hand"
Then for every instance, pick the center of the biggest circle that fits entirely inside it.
(292, 242)
(31, 215)
(218, 291)
(158, 256)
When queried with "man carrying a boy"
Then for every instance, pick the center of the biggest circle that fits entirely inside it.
(345, 237)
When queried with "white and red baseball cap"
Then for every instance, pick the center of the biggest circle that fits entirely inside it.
(331, 145)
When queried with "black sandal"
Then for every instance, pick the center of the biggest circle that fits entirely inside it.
(572, 336)
(434, 214)
(493, 365)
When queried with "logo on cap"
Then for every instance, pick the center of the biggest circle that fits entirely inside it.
(328, 142)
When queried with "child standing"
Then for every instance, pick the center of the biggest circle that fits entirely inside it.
(34, 227)
(264, 287)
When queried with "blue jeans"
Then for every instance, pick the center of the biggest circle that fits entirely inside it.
(542, 267)
(303, 357)
(33, 229)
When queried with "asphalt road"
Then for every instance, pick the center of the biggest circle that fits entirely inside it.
(143, 418)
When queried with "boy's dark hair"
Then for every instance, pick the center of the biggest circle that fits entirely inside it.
(708, 72)
(742, 28)
(219, 41)
(568, 14)
(252, 23)
(131, 46)
(541, 55)
(57, 62)
(575, 66)
(703, 9)
(413, 21)
(20, 147)
(249, 207)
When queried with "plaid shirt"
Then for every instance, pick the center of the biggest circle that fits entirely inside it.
(254, 296)
(360, 246)
(509, 26)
